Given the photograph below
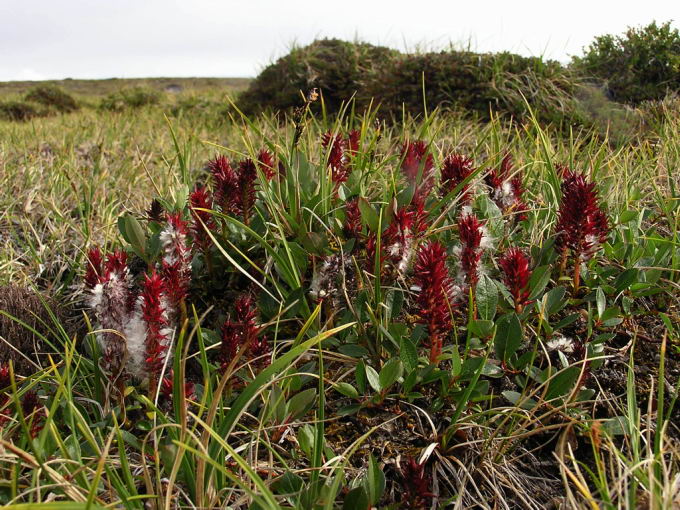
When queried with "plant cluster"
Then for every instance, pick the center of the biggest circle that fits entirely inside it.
(345, 316)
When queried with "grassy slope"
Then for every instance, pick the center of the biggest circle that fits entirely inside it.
(104, 87)
(66, 179)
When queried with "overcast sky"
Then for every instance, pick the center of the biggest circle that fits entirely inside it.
(53, 39)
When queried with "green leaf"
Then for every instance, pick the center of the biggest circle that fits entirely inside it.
(122, 228)
(373, 378)
(314, 242)
(626, 279)
(356, 499)
(375, 480)
(289, 483)
(554, 300)
(390, 372)
(360, 376)
(353, 350)
(456, 363)
(368, 215)
(514, 398)
(487, 298)
(628, 215)
(346, 389)
(405, 196)
(481, 329)
(135, 235)
(300, 403)
(601, 301)
(408, 354)
(508, 336)
(563, 382)
(305, 438)
(540, 278)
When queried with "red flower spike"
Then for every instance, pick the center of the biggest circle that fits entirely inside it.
(245, 314)
(232, 339)
(167, 387)
(176, 263)
(237, 331)
(516, 274)
(247, 175)
(416, 489)
(95, 264)
(352, 226)
(226, 185)
(507, 190)
(353, 141)
(5, 381)
(455, 170)
(418, 167)
(471, 232)
(259, 352)
(519, 205)
(33, 411)
(420, 220)
(112, 304)
(116, 264)
(371, 246)
(435, 298)
(155, 211)
(266, 164)
(338, 160)
(202, 220)
(582, 226)
(154, 318)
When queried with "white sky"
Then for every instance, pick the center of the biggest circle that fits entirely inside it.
(53, 39)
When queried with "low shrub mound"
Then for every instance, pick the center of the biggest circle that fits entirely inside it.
(52, 97)
(482, 84)
(19, 111)
(135, 97)
(456, 80)
(641, 65)
(339, 68)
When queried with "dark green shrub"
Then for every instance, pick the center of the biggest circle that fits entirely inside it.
(52, 96)
(338, 68)
(135, 97)
(19, 111)
(642, 64)
(476, 83)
